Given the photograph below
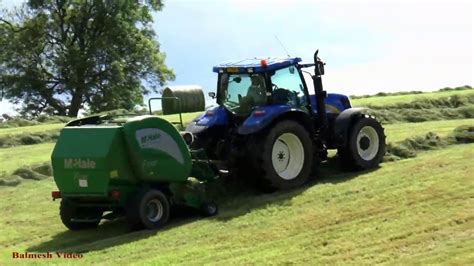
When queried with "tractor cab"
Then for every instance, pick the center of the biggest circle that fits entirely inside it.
(246, 85)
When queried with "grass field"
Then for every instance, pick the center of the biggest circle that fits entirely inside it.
(401, 131)
(389, 100)
(425, 215)
(15, 157)
(30, 129)
(412, 211)
(39, 153)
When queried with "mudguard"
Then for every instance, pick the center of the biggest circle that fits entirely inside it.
(216, 116)
(343, 123)
(263, 116)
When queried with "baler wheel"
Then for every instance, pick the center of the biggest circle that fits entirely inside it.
(68, 212)
(209, 209)
(149, 209)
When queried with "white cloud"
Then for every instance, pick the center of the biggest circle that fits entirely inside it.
(425, 46)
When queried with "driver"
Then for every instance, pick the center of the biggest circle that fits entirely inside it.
(257, 90)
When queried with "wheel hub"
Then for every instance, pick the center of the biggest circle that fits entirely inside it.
(281, 156)
(367, 143)
(288, 156)
(364, 143)
(154, 210)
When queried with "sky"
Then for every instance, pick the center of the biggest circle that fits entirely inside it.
(368, 46)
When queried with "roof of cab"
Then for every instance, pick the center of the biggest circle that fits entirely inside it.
(255, 65)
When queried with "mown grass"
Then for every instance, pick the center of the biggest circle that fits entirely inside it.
(389, 100)
(400, 131)
(30, 129)
(16, 157)
(421, 214)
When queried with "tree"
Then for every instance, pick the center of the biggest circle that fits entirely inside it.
(62, 55)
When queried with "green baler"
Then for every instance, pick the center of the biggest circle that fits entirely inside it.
(134, 166)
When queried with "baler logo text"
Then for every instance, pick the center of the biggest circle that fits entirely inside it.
(79, 164)
(149, 138)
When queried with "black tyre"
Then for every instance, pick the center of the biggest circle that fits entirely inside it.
(209, 209)
(68, 212)
(365, 147)
(149, 209)
(284, 156)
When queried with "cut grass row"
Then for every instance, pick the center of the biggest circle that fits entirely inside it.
(400, 131)
(423, 214)
(390, 100)
(15, 157)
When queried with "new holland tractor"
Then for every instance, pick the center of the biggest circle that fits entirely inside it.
(269, 126)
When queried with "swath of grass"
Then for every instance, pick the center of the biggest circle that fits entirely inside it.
(400, 131)
(16, 157)
(29, 129)
(390, 100)
(421, 214)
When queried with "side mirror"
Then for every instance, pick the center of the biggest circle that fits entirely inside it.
(320, 66)
(212, 94)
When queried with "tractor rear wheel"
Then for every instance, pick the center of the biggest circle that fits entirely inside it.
(284, 156)
(149, 209)
(365, 146)
(68, 212)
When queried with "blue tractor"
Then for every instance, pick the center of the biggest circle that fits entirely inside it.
(273, 126)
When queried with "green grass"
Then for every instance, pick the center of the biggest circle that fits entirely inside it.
(421, 214)
(401, 131)
(15, 157)
(30, 129)
(390, 100)
(187, 117)
(39, 153)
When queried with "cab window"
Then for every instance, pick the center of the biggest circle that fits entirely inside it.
(287, 88)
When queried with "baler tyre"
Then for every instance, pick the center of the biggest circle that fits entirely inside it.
(149, 209)
(209, 209)
(284, 156)
(365, 147)
(68, 212)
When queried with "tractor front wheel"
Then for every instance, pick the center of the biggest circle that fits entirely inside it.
(284, 156)
(149, 209)
(365, 146)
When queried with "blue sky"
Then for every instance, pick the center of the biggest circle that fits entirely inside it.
(368, 46)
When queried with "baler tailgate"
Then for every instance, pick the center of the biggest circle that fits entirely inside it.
(90, 160)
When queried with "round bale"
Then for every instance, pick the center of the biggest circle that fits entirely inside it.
(191, 99)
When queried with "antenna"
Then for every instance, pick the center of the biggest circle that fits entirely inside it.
(276, 37)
